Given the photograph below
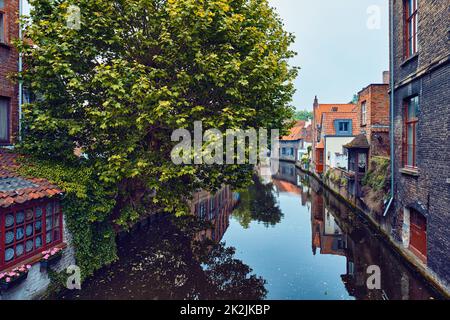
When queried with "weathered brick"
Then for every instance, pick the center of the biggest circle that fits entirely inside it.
(9, 66)
(426, 75)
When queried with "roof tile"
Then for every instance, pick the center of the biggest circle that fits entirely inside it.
(15, 189)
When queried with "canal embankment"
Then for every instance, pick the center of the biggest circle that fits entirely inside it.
(378, 224)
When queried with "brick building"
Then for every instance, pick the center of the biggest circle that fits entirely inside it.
(9, 58)
(373, 114)
(420, 55)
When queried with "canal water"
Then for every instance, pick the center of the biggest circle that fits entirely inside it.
(283, 238)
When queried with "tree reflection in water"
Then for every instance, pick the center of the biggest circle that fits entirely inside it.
(163, 262)
(258, 203)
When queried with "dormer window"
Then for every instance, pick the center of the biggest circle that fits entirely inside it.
(343, 127)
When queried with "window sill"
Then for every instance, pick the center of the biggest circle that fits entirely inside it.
(409, 59)
(410, 172)
(34, 259)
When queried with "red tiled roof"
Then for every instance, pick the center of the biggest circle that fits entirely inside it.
(297, 132)
(286, 187)
(322, 108)
(15, 189)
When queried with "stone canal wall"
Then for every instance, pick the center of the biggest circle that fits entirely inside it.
(384, 225)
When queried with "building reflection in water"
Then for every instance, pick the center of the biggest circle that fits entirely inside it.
(215, 209)
(337, 230)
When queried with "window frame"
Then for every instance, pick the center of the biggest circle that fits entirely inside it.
(5, 24)
(4, 265)
(347, 132)
(363, 113)
(8, 121)
(406, 124)
(410, 31)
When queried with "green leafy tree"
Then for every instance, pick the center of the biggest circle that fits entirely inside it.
(303, 115)
(138, 69)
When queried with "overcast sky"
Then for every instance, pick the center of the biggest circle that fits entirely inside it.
(337, 52)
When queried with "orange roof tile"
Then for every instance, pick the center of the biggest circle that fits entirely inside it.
(15, 189)
(347, 107)
(297, 132)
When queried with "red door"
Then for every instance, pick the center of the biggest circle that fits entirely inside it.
(418, 237)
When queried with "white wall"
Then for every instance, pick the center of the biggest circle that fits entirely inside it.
(333, 146)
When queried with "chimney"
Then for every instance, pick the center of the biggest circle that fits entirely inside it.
(316, 103)
(386, 77)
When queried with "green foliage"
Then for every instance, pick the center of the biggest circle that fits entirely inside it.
(118, 87)
(258, 203)
(137, 70)
(303, 115)
(378, 176)
(87, 205)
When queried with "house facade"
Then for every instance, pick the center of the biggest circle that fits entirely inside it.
(420, 55)
(9, 59)
(31, 216)
(31, 225)
(292, 146)
(373, 140)
(334, 125)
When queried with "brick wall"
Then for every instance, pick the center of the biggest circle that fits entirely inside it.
(427, 189)
(376, 129)
(9, 65)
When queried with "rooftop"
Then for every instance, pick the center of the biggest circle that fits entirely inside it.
(297, 132)
(360, 142)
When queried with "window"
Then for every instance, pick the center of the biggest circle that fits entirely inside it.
(410, 134)
(212, 208)
(4, 120)
(292, 152)
(2, 22)
(363, 114)
(410, 32)
(283, 151)
(343, 127)
(362, 162)
(29, 230)
(202, 210)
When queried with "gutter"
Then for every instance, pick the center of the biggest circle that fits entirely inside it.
(20, 69)
(391, 103)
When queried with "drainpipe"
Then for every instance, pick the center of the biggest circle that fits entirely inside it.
(20, 71)
(391, 103)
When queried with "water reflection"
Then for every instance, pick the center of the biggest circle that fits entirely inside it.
(258, 203)
(337, 230)
(178, 258)
(288, 239)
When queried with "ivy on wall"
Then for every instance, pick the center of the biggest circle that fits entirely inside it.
(87, 205)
